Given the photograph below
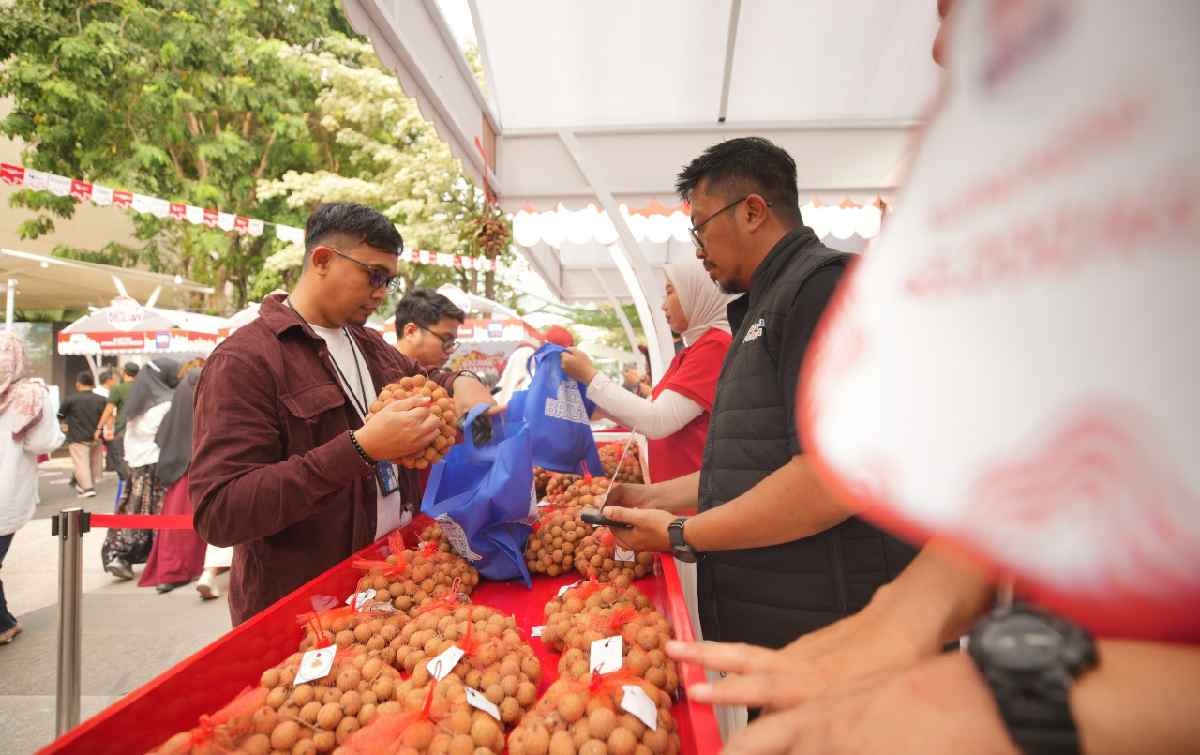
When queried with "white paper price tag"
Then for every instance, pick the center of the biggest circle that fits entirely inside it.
(360, 599)
(563, 590)
(607, 655)
(442, 665)
(620, 554)
(635, 700)
(477, 700)
(315, 664)
(537, 631)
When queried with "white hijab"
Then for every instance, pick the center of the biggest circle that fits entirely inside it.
(703, 303)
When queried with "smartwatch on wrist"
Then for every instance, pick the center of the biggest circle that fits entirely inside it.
(679, 546)
(1030, 659)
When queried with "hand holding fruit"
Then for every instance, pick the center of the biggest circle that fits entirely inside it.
(402, 428)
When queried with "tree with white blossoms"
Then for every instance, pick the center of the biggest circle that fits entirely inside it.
(378, 150)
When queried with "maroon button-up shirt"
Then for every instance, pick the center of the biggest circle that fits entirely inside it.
(274, 473)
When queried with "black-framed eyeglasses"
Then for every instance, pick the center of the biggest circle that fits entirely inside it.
(695, 230)
(449, 343)
(377, 275)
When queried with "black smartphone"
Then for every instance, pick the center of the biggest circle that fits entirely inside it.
(595, 518)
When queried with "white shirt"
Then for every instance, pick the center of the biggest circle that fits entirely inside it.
(18, 465)
(516, 376)
(140, 448)
(355, 379)
(100, 391)
(654, 418)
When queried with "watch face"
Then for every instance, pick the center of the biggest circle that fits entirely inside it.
(1021, 642)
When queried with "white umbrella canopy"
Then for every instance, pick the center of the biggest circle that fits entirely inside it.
(127, 327)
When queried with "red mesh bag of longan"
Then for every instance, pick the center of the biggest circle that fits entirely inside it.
(586, 717)
(496, 660)
(223, 731)
(434, 719)
(597, 556)
(413, 577)
(644, 635)
(578, 606)
(440, 404)
(318, 715)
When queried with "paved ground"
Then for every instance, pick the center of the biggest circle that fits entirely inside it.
(130, 634)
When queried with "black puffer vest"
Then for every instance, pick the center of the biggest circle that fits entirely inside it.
(770, 596)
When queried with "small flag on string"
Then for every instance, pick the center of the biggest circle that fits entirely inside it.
(123, 198)
(81, 190)
(178, 211)
(13, 175)
(210, 218)
(101, 195)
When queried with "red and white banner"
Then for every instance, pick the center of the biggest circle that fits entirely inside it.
(80, 190)
(173, 341)
(1014, 365)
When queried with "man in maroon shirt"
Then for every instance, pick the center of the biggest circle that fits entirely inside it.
(286, 468)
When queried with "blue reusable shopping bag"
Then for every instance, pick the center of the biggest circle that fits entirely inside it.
(557, 415)
(482, 496)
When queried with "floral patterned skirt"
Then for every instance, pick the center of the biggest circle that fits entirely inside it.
(143, 494)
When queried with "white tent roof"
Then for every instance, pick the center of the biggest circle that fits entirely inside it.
(45, 282)
(604, 102)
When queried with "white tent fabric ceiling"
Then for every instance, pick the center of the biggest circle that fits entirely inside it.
(555, 64)
(604, 102)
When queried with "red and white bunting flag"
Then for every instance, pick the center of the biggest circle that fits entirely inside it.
(289, 234)
(59, 186)
(414, 256)
(81, 190)
(101, 195)
(241, 223)
(457, 261)
(36, 180)
(13, 175)
(194, 214)
(255, 227)
(225, 221)
(122, 198)
(210, 218)
(178, 211)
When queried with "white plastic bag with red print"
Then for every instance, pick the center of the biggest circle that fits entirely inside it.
(1016, 365)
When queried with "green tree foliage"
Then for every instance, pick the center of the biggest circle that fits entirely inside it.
(257, 107)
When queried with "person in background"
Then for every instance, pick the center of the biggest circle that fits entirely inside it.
(675, 418)
(114, 419)
(108, 379)
(177, 556)
(427, 327)
(288, 466)
(28, 428)
(82, 411)
(516, 374)
(631, 379)
(147, 405)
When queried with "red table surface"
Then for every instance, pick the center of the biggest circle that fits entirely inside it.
(207, 680)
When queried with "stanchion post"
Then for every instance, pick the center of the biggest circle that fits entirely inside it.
(69, 527)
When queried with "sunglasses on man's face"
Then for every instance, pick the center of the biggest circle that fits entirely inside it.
(377, 276)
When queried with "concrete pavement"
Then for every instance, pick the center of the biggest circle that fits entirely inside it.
(130, 634)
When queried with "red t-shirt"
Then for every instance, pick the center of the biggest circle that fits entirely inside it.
(693, 374)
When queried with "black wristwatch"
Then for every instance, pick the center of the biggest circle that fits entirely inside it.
(1030, 659)
(679, 546)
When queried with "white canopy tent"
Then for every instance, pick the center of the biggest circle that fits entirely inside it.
(602, 103)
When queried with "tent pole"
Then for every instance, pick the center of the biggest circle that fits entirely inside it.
(630, 261)
(616, 305)
(10, 303)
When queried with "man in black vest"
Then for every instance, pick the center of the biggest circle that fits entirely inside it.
(779, 556)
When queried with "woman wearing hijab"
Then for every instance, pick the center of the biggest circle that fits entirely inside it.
(675, 417)
(28, 427)
(148, 403)
(178, 555)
